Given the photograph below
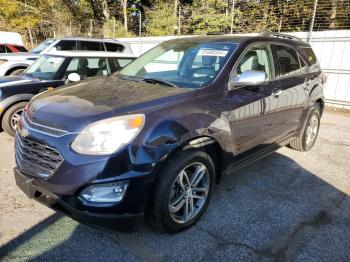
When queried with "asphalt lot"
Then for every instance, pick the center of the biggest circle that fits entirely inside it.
(290, 206)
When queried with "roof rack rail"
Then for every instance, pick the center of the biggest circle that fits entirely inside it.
(271, 34)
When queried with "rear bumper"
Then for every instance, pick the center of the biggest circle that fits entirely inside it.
(107, 219)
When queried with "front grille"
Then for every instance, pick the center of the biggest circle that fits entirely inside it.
(36, 159)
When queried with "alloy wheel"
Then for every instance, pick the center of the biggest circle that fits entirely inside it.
(189, 193)
(312, 130)
(15, 118)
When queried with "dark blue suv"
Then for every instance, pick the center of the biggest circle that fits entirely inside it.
(154, 138)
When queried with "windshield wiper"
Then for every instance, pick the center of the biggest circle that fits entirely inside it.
(158, 81)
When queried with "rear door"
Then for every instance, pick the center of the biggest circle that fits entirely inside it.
(289, 96)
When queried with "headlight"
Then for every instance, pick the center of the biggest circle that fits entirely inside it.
(106, 136)
(2, 61)
(104, 193)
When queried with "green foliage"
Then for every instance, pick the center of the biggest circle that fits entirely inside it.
(118, 30)
(160, 20)
(209, 18)
(95, 18)
(15, 17)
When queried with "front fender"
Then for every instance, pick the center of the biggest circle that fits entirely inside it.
(7, 102)
(169, 135)
(14, 65)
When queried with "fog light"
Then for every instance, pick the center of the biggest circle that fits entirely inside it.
(104, 193)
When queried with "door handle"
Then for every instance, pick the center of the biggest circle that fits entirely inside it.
(308, 82)
(277, 92)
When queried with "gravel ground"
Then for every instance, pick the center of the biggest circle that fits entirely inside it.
(290, 206)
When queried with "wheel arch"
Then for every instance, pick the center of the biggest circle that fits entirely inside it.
(11, 101)
(15, 67)
(203, 143)
(316, 96)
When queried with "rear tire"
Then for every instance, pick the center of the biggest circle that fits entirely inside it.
(16, 72)
(185, 180)
(309, 134)
(11, 118)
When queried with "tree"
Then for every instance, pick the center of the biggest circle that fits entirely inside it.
(160, 20)
(124, 4)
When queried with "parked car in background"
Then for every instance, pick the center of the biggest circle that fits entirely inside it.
(155, 137)
(12, 48)
(14, 64)
(48, 72)
(11, 38)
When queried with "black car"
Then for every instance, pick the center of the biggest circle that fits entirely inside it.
(154, 138)
(49, 72)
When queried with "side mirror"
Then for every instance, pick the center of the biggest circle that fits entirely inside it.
(74, 77)
(249, 78)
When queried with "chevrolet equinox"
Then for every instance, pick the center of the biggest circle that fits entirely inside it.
(155, 137)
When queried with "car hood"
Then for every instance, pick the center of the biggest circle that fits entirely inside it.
(74, 107)
(8, 81)
(18, 56)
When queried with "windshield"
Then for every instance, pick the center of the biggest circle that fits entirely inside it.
(42, 46)
(191, 65)
(45, 67)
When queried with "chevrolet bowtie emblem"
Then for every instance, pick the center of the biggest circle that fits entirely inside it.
(23, 132)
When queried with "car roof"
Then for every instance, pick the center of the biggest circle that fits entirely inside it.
(241, 39)
(77, 53)
(108, 40)
(10, 44)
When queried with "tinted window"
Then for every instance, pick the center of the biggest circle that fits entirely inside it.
(8, 50)
(118, 63)
(21, 48)
(114, 47)
(2, 49)
(65, 45)
(87, 67)
(310, 55)
(288, 60)
(90, 46)
(255, 59)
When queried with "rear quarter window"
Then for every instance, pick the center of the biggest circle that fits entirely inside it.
(309, 55)
(66, 45)
(110, 47)
(21, 48)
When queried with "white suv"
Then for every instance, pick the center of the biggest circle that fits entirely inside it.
(14, 64)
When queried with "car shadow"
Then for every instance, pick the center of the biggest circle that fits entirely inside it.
(271, 210)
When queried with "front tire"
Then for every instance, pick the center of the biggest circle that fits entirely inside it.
(182, 190)
(16, 72)
(309, 134)
(11, 117)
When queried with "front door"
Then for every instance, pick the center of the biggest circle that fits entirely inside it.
(251, 117)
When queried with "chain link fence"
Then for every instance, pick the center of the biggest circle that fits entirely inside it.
(223, 17)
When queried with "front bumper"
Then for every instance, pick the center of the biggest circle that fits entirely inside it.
(107, 217)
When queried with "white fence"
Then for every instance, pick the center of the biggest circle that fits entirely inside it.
(332, 49)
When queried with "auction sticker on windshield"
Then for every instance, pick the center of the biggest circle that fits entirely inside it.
(212, 52)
